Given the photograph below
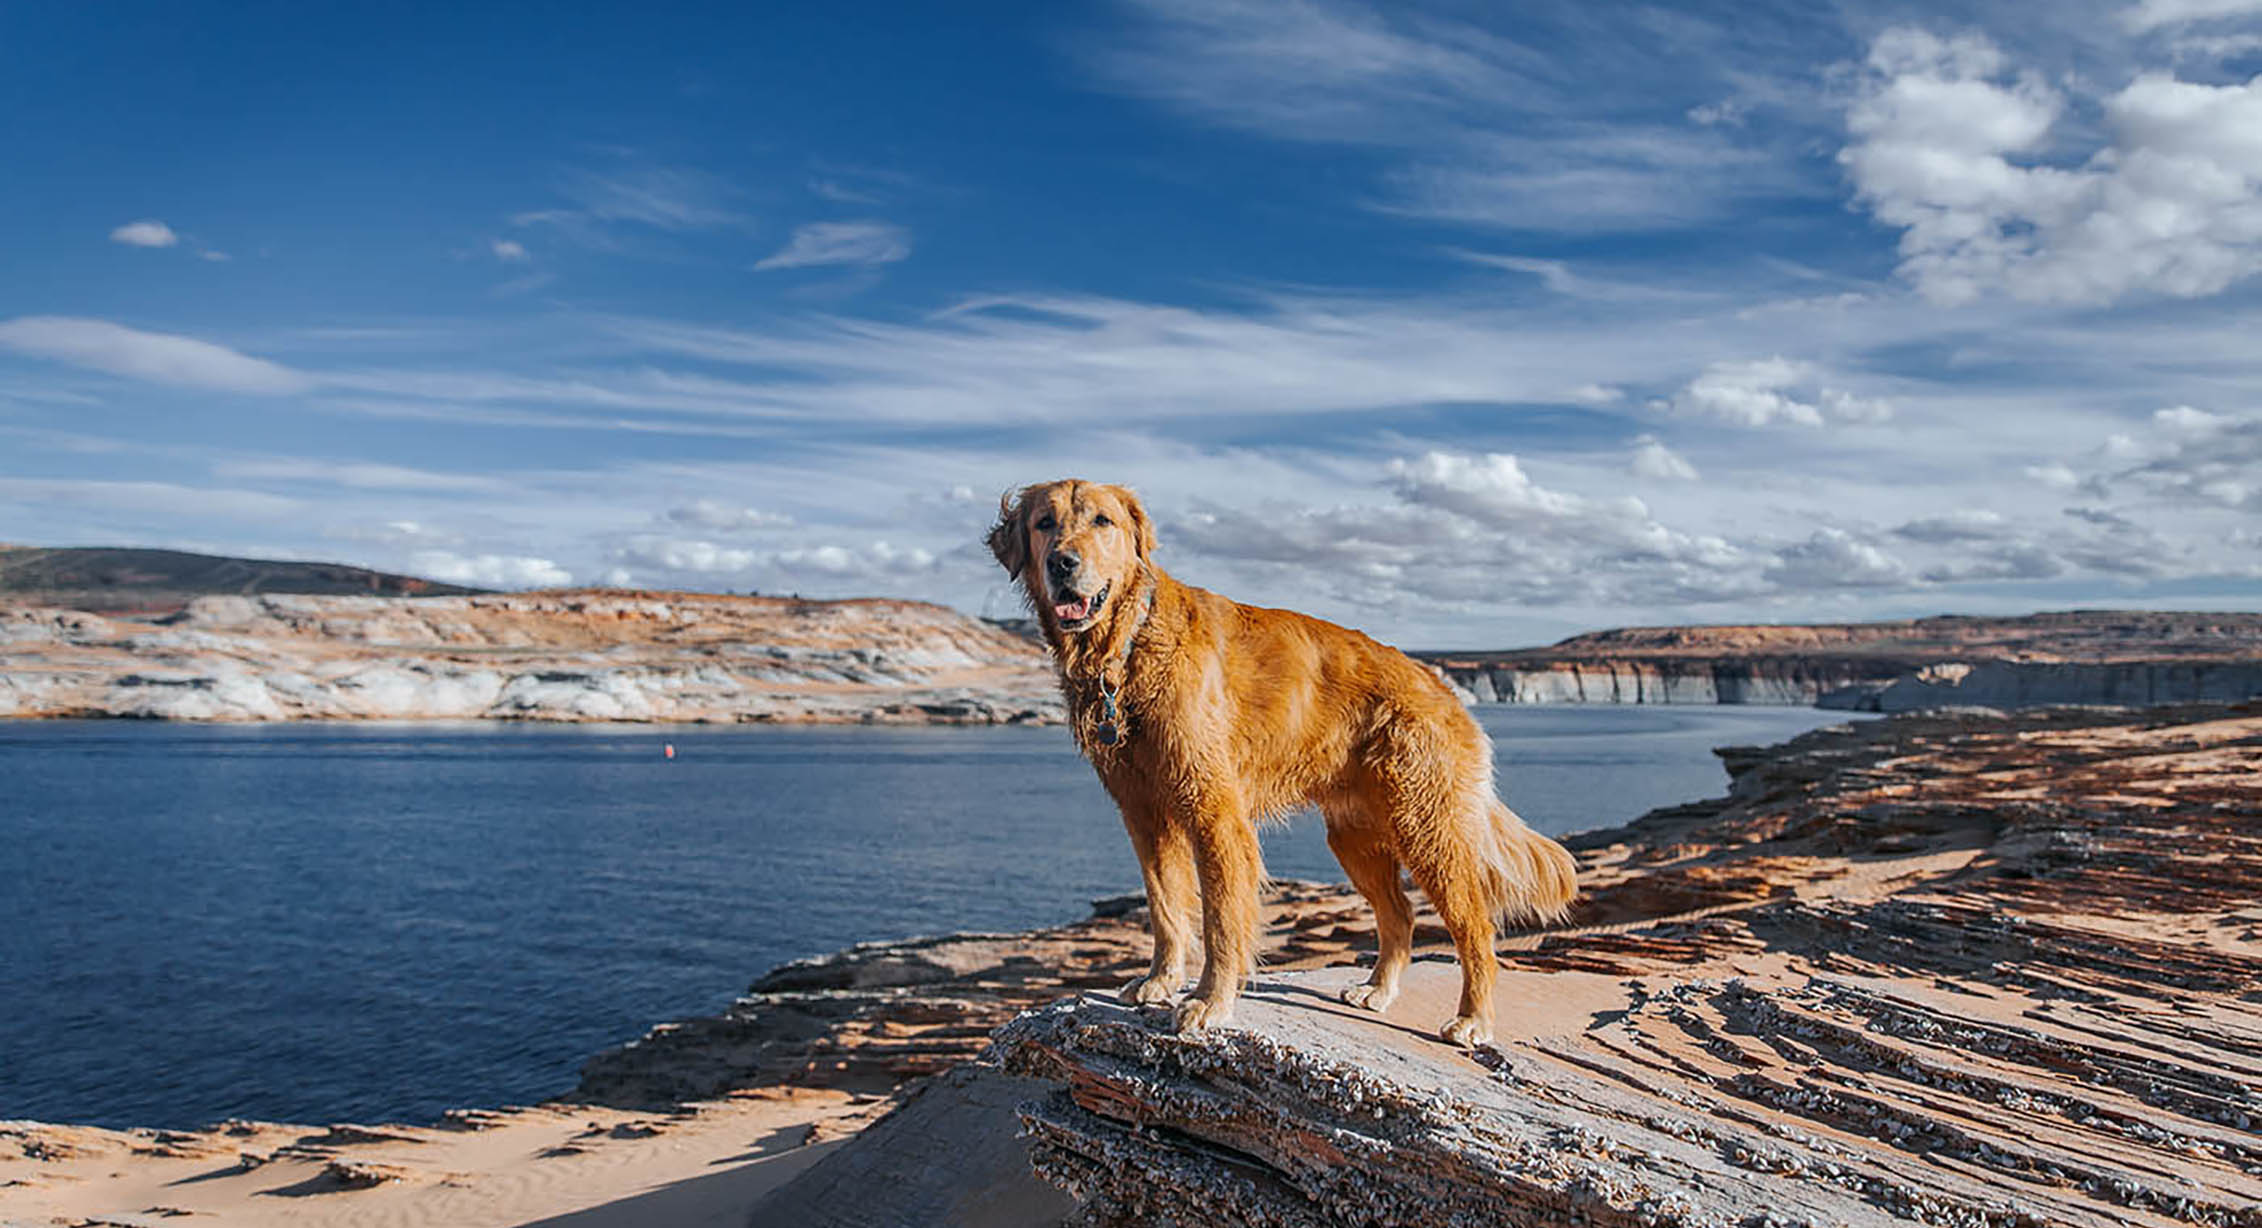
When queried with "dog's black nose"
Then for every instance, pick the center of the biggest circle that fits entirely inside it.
(1062, 564)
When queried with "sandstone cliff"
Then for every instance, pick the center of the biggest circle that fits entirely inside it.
(2080, 656)
(568, 656)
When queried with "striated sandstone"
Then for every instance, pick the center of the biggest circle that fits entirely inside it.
(2078, 656)
(1950, 969)
(560, 656)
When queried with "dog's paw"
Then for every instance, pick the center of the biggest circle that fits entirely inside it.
(1371, 996)
(1467, 1031)
(1198, 1014)
(1150, 990)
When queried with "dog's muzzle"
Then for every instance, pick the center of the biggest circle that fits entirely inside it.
(1074, 611)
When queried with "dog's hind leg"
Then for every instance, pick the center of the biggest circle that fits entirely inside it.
(1166, 861)
(1456, 885)
(1366, 857)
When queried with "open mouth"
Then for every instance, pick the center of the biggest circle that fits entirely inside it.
(1075, 613)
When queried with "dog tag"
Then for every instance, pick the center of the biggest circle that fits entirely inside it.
(1109, 731)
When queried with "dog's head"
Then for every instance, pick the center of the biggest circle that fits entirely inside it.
(1077, 546)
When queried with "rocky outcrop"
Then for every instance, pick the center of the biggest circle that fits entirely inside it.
(2028, 684)
(1948, 969)
(1791, 682)
(563, 656)
(874, 1015)
(2082, 656)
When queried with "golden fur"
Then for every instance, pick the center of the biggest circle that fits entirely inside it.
(1233, 714)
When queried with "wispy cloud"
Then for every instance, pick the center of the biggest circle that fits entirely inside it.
(165, 499)
(162, 358)
(2152, 14)
(357, 475)
(509, 251)
(1489, 129)
(607, 207)
(851, 243)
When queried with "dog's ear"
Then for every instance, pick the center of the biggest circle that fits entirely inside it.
(1142, 529)
(1009, 541)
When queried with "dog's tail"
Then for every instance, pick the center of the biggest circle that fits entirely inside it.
(1532, 878)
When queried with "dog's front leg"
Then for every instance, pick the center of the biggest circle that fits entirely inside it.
(1227, 863)
(1166, 861)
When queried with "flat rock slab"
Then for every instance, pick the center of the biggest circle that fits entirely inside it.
(1812, 1100)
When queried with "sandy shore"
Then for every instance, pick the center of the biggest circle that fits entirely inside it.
(592, 1166)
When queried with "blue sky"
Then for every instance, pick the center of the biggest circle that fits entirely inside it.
(1467, 324)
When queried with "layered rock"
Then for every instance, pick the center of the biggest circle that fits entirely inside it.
(569, 656)
(2028, 684)
(1956, 969)
(2082, 656)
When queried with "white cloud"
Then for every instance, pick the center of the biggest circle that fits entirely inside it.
(1833, 558)
(1474, 532)
(853, 243)
(163, 358)
(1764, 391)
(146, 233)
(2184, 419)
(2152, 14)
(874, 560)
(2190, 456)
(509, 251)
(489, 570)
(725, 517)
(2011, 561)
(1652, 459)
(1948, 150)
(687, 555)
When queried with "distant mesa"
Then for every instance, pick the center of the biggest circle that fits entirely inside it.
(2122, 657)
(130, 581)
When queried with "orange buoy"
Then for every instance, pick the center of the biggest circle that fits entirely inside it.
(669, 747)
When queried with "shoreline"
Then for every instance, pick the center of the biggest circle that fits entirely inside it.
(1825, 849)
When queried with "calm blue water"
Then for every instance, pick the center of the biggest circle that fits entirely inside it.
(355, 922)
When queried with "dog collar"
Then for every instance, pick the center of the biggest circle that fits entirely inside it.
(1110, 729)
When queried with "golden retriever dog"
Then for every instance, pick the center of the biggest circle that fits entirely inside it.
(1205, 717)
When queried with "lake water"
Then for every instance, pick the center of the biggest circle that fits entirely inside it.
(377, 922)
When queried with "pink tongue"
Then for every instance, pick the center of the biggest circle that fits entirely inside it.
(1072, 611)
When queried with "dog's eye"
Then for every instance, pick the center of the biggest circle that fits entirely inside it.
(1101, 521)
(1047, 524)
